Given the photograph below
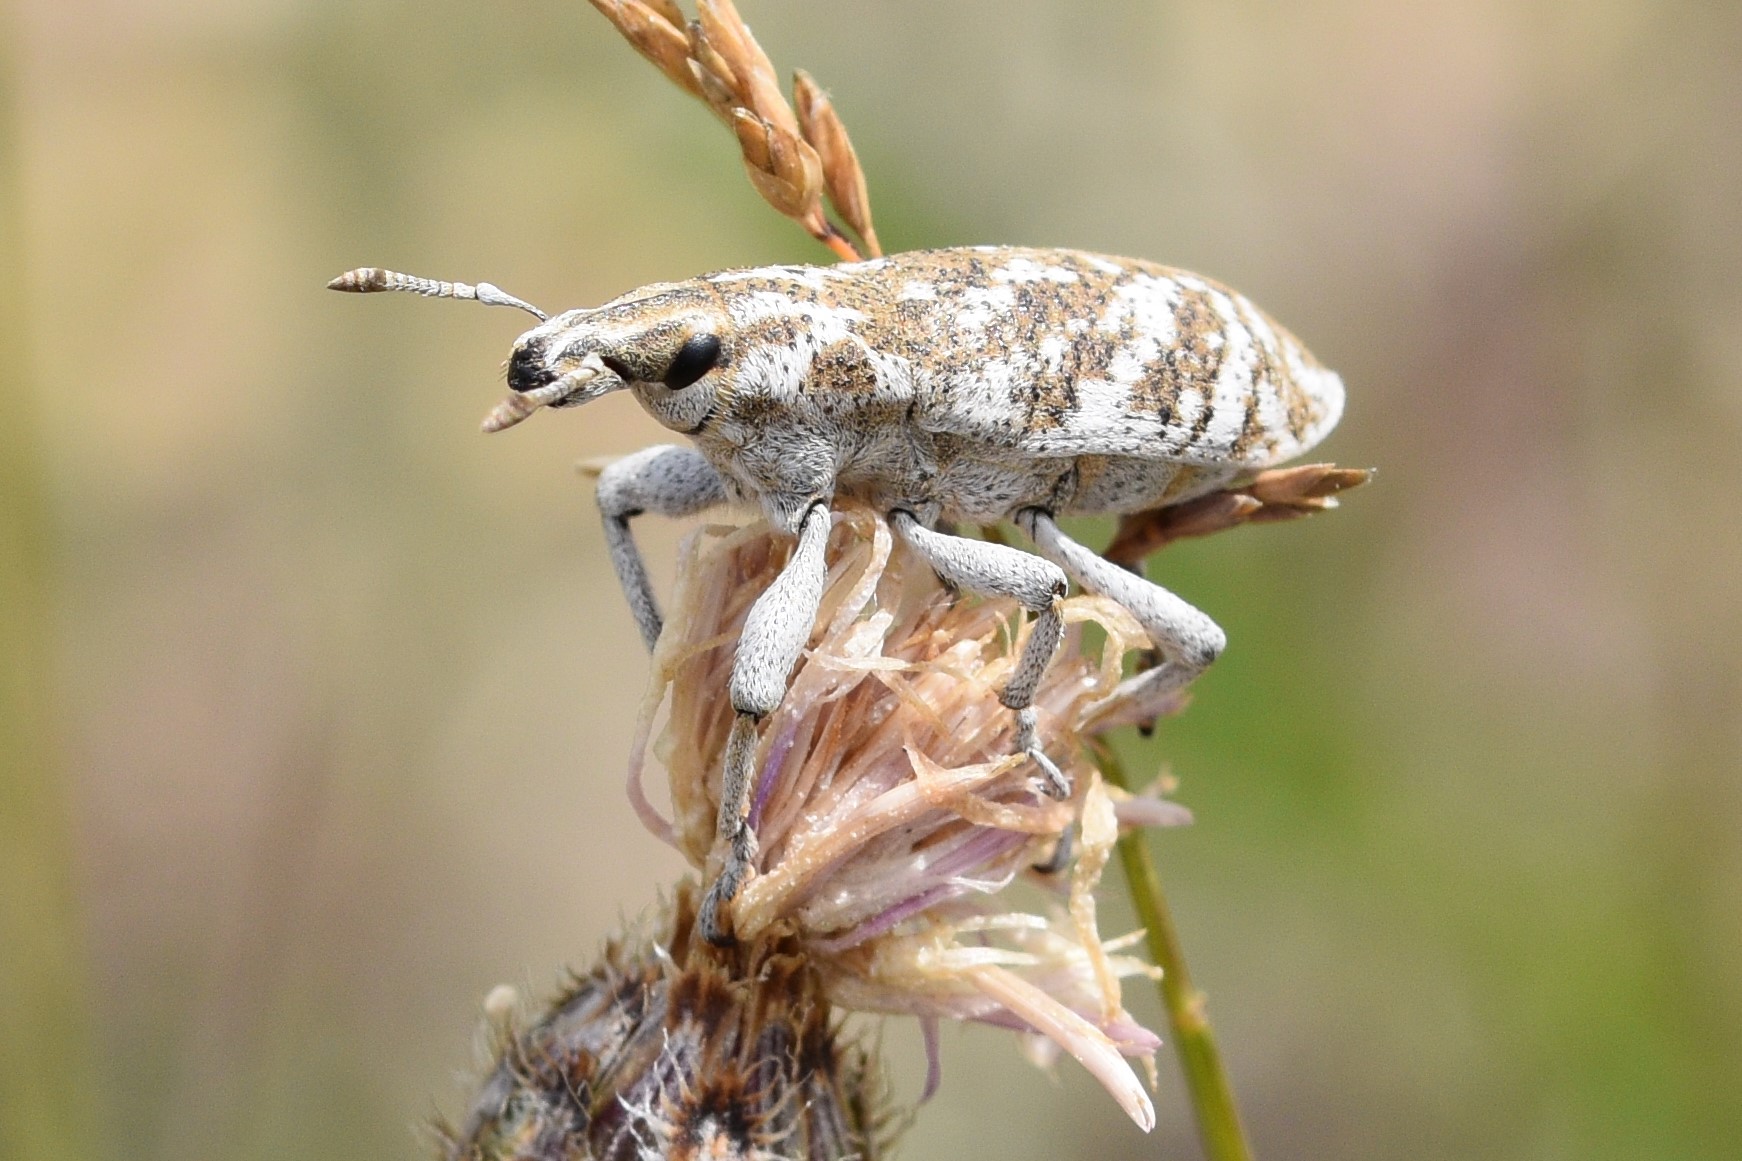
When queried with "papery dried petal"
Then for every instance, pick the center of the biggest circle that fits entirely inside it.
(890, 811)
(1091, 1047)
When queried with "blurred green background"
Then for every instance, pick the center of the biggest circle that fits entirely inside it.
(317, 702)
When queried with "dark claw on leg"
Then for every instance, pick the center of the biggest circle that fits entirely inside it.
(1061, 853)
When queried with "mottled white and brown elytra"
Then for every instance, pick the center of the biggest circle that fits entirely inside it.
(967, 385)
(964, 384)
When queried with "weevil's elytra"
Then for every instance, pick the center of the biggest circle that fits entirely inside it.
(972, 385)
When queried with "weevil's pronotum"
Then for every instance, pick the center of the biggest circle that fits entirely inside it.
(942, 387)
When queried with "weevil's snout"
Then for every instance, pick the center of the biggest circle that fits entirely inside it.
(549, 367)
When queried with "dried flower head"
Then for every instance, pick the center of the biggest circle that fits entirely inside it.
(889, 811)
(673, 1049)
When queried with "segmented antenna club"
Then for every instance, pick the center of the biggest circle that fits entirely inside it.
(371, 279)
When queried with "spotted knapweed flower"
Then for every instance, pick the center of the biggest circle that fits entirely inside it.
(908, 864)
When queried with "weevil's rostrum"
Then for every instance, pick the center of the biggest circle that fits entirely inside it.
(958, 384)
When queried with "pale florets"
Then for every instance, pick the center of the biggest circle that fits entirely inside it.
(890, 814)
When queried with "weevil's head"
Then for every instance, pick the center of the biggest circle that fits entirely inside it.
(664, 342)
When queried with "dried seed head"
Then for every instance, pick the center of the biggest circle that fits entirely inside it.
(657, 32)
(758, 86)
(784, 170)
(845, 180)
(717, 59)
(889, 812)
(669, 1049)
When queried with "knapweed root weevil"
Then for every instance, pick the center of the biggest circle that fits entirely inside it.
(941, 387)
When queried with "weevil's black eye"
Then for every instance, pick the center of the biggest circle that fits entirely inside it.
(694, 359)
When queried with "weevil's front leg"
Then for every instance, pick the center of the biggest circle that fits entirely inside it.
(983, 567)
(1188, 640)
(669, 480)
(774, 633)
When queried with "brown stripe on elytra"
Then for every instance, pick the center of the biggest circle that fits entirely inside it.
(1199, 342)
(1040, 310)
(1265, 373)
(1194, 361)
(1303, 408)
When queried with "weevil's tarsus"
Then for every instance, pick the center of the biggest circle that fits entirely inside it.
(1188, 640)
(373, 279)
(1062, 851)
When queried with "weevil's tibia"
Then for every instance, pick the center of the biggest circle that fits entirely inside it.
(372, 279)
(1001, 571)
(1188, 640)
(774, 633)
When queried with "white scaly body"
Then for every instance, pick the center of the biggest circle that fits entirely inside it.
(969, 385)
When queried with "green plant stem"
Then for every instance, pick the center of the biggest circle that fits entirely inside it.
(1194, 1040)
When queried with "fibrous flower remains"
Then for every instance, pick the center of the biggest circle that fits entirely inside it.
(890, 810)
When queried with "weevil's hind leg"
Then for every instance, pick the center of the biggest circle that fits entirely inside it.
(774, 633)
(1187, 639)
(669, 480)
(1037, 585)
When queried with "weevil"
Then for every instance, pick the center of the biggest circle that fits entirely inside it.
(942, 387)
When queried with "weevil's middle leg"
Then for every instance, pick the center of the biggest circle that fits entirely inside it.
(669, 480)
(1188, 640)
(774, 633)
(980, 566)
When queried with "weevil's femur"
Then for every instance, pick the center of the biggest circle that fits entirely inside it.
(890, 814)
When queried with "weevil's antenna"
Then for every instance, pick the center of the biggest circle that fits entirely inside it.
(370, 279)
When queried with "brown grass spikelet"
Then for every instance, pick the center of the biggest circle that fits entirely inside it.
(842, 174)
(656, 35)
(792, 158)
(784, 169)
(757, 86)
